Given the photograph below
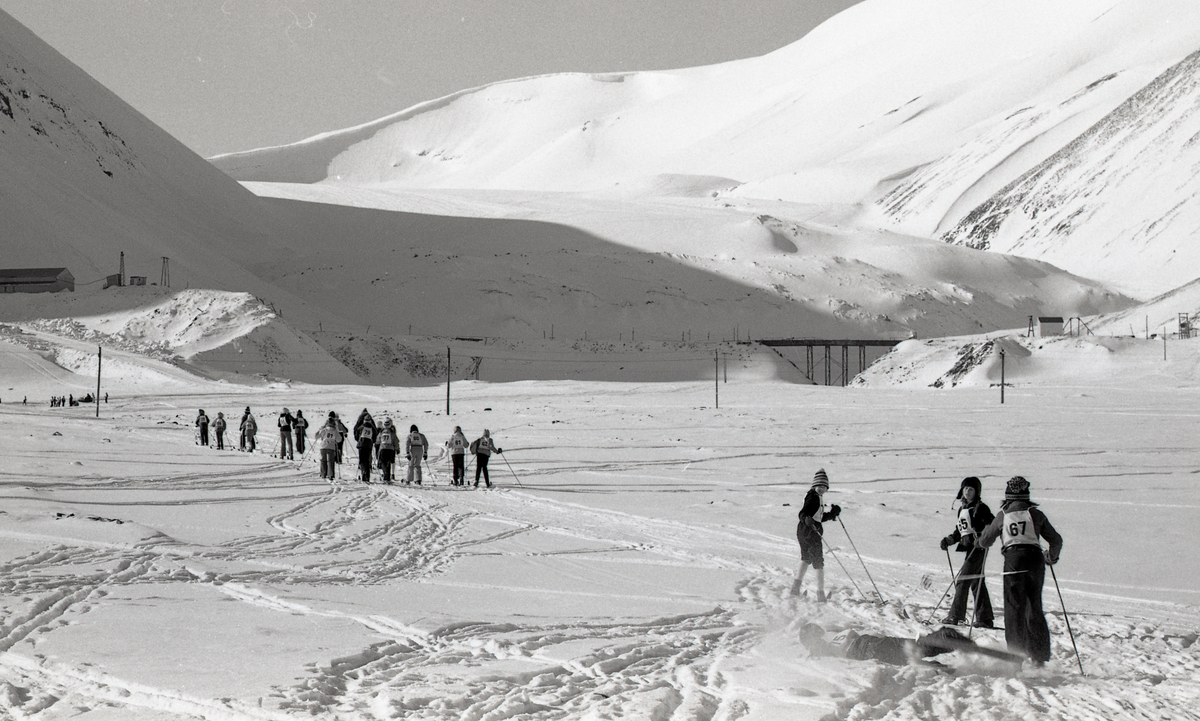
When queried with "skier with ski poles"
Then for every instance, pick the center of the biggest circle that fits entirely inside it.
(416, 450)
(809, 533)
(388, 443)
(483, 447)
(1020, 525)
(219, 426)
(327, 439)
(458, 453)
(285, 435)
(249, 428)
(973, 516)
(202, 424)
(300, 427)
(364, 435)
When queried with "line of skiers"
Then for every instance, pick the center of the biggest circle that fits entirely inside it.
(1020, 526)
(290, 426)
(379, 445)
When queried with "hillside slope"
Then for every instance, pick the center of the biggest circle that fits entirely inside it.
(87, 177)
(1127, 185)
(927, 107)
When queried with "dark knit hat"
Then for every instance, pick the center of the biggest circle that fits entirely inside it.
(412, 428)
(1017, 489)
(820, 479)
(973, 482)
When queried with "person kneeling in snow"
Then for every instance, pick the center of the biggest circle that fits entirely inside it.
(809, 532)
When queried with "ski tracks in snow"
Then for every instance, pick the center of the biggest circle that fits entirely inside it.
(685, 667)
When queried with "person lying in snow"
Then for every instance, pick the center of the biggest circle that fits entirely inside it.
(887, 649)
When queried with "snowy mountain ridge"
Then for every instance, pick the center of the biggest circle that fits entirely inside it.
(928, 107)
(1128, 184)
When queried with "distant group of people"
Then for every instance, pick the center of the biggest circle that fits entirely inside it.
(378, 444)
(70, 400)
(1020, 526)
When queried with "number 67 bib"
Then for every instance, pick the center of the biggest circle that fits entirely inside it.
(1018, 530)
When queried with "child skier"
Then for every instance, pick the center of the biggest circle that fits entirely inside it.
(809, 533)
(202, 424)
(973, 516)
(219, 427)
(416, 449)
(483, 447)
(458, 454)
(388, 444)
(1020, 525)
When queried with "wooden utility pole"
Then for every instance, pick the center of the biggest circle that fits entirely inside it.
(99, 358)
(717, 378)
(447, 380)
(1001, 376)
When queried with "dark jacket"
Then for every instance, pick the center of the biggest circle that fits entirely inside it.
(810, 510)
(981, 516)
(1041, 526)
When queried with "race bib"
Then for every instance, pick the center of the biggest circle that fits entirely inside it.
(1018, 530)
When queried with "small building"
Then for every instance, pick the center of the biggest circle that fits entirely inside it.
(1049, 325)
(36, 280)
(137, 280)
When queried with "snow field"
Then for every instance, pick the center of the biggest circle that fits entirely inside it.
(633, 561)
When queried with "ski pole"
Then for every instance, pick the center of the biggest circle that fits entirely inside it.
(1067, 619)
(839, 562)
(510, 468)
(860, 559)
(978, 586)
(429, 472)
(953, 580)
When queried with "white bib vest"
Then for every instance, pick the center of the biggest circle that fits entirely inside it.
(964, 523)
(1018, 530)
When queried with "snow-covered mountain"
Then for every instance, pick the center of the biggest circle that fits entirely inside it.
(659, 258)
(929, 107)
(1127, 187)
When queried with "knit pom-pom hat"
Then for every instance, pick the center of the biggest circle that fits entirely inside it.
(820, 479)
(1017, 489)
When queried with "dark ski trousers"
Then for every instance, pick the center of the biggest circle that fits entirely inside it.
(300, 442)
(1025, 628)
(387, 460)
(204, 434)
(328, 457)
(364, 462)
(972, 575)
(220, 440)
(285, 444)
(459, 473)
(481, 461)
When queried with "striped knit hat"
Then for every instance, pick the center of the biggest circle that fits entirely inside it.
(1017, 489)
(820, 479)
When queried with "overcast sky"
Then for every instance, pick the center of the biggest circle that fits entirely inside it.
(228, 75)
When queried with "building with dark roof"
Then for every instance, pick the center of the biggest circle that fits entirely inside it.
(36, 280)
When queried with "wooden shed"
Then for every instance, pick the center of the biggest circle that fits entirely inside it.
(1049, 325)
